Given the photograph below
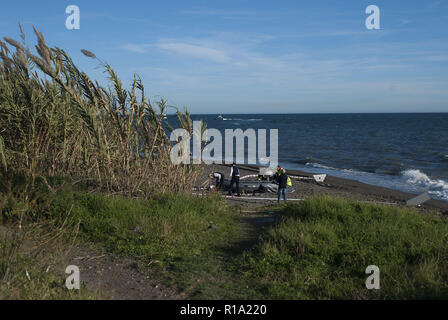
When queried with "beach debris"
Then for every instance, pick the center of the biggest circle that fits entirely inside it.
(256, 198)
(418, 200)
(267, 171)
(319, 178)
(249, 176)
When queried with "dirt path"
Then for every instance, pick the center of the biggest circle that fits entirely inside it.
(255, 218)
(119, 278)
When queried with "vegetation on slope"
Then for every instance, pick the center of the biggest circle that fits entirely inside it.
(322, 247)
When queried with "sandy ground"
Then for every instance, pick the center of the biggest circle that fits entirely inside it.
(332, 186)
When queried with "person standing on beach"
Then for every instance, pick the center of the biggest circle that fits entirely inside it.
(282, 184)
(277, 174)
(235, 179)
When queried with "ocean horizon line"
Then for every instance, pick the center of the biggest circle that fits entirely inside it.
(316, 113)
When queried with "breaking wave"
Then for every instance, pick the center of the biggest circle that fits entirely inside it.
(318, 165)
(435, 187)
(411, 180)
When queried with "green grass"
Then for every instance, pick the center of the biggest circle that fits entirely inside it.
(176, 237)
(322, 246)
(319, 249)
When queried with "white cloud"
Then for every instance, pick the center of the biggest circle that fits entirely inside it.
(238, 65)
(138, 48)
(194, 51)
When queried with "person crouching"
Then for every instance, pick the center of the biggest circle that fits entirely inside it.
(219, 180)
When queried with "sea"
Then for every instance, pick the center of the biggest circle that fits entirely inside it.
(402, 151)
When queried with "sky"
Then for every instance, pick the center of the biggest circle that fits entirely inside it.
(239, 56)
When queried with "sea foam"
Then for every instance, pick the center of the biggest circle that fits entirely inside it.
(435, 187)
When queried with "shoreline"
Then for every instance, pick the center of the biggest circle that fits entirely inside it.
(335, 186)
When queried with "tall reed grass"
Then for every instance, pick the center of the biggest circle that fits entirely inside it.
(55, 121)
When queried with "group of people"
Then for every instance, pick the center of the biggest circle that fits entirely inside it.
(280, 177)
(234, 179)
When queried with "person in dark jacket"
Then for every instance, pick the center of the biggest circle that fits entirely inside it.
(282, 184)
(277, 174)
(235, 179)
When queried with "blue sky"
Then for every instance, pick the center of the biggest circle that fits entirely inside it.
(241, 56)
